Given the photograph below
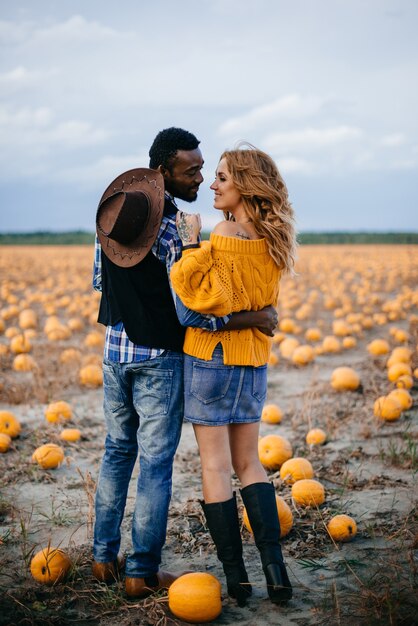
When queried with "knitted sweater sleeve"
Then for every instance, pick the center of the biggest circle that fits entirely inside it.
(197, 282)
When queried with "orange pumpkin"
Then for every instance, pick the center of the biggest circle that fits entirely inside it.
(272, 414)
(58, 412)
(378, 347)
(91, 376)
(387, 408)
(308, 492)
(403, 396)
(24, 363)
(342, 528)
(397, 370)
(345, 379)
(273, 451)
(302, 355)
(5, 442)
(285, 517)
(195, 597)
(296, 469)
(71, 435)
(50, 565)
(48, 456)
(316, 436)
(9, 424)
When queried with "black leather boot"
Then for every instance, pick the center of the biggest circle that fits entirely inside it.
(260, 502)
(223, 523)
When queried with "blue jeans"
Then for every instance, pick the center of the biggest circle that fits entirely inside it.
(143, 407)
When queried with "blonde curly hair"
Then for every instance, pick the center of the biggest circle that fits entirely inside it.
(265, 199)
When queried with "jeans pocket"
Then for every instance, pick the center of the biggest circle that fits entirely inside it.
(210, 383)
(260, 383)
(113, 398)
(152, 391)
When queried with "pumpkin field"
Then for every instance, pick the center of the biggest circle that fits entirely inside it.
(339, 440)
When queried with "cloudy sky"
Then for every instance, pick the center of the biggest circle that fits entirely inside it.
(328, 87)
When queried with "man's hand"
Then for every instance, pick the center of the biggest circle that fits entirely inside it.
(188, 227)
(267, 320)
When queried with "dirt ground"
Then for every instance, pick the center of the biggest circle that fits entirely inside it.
(368, 468)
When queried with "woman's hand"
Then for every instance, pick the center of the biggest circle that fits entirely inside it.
(188, 227)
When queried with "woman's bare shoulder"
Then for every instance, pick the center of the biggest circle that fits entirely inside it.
(227, 228)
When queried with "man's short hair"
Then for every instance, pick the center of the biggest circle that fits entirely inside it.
(167, 143)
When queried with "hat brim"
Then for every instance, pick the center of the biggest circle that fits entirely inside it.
(139, 179)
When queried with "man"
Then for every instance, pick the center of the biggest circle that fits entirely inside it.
(136, 246)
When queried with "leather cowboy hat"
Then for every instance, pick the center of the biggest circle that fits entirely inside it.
(129, 215)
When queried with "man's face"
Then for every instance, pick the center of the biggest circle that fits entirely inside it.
(184, 177)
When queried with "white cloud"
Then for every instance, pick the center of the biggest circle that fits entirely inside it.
(311, 138)
(102, 171)
(292, 106)
(292, 165)
(21, 77)
(75, 29)
(394, 140)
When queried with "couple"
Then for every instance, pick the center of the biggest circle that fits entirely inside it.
(164, 292)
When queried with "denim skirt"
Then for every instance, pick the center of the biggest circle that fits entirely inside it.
(216, 394)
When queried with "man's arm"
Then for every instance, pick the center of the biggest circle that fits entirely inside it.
(168, 249)
(97, 266)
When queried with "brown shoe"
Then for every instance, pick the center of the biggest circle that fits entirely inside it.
(108, 572)
(137, 587)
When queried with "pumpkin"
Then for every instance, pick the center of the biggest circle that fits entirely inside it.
(378, 347)
(345, 379)
(27, 319)
(271, 414)
(48, 456)
(287, 325)
(94, 340)
(70, 434)
(404, 382)
(313, 334)
(401, 336)
(397, 370)
(195, 597)
(403, 396)
(387, 408)
(342, 528)
(273, 359)
(59, 333)
(316, 436)
(11, 332)
(349, 342)
(285, 517)
(91, 376)
(5, 441)
(58, 412)
(50, 565)
(308, 492)
(302, 355)
(288, 346)
(278, 338)
(9, 424)
(331, 344)
(399, 355)
(70, 355)
(273, 451)
(20, 344)
(75, 324)
(296, 469)
(340, 328)
(24, 363)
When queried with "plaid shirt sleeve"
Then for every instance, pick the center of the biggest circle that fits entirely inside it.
(97, 266)
(168, 250)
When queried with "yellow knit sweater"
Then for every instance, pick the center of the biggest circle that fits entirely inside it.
(222, 276)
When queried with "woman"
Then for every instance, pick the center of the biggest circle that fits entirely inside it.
(226, 371)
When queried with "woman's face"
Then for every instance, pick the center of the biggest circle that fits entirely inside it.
(227, 198)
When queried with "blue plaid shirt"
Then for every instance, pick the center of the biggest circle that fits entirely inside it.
(167, 248)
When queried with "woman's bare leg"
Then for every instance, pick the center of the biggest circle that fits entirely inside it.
(215, 458)
(243, 441)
